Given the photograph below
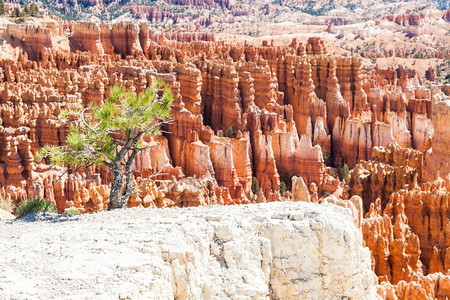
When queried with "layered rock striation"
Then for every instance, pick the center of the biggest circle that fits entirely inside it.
(269, 112)
(406, 223)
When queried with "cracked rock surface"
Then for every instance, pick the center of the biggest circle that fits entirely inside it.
(277, 250)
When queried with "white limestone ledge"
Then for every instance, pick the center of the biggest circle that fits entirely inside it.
(281, 250)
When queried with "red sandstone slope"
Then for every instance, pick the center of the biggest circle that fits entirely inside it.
(286, 105)
(407, 220)
(406, 225)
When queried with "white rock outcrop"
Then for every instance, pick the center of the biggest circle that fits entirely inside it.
(262, 251)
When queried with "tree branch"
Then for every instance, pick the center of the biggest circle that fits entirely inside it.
(84, 121)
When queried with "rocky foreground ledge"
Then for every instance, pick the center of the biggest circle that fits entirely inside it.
(276, 250)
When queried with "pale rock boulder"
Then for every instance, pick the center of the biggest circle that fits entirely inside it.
(6, 215)
(279, 250)
(299, 190)
(355, 205)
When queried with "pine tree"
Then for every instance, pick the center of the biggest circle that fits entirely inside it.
(111, 135)
(2, 7)
(34, 9)
(16, 12)
(255, 186)
(22, 13)
(343, 172)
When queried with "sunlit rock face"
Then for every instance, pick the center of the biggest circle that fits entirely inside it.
(281, 250)
(269, 112)
(406, 223)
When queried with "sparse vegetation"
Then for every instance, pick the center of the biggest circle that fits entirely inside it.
(17, 12)
(2, 7)
(287, 180)
(35, 205)
(343, 172)
(8, 205)
(255, 186)
(282, 188)
(438, 71)
(326, 158)
(112, 134)
(28, 10)
(34, 9)
(73, 211)
(231, 132)
(12, 37)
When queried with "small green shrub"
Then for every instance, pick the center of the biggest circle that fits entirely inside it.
(8, 205)
(343, 172)
(73, 211)
(2, 41)
(327, 158)
(287, 180)
(34, 205)
(12, 37)
(255, 186)
(231, 132)
(438, 71)
(282, 188)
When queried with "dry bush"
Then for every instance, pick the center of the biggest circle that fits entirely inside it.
(8, 205)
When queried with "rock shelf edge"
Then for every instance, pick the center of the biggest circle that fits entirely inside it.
(261, 251)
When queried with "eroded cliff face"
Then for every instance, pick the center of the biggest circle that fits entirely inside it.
(406, 223)
(437, 161)
(239, 112)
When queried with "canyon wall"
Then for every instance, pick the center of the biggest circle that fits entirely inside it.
(239, 112)
(406, 223)
(437, 159)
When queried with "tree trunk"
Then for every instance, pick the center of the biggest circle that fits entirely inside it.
(115, 196)
(117, 199)
(128, 172)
